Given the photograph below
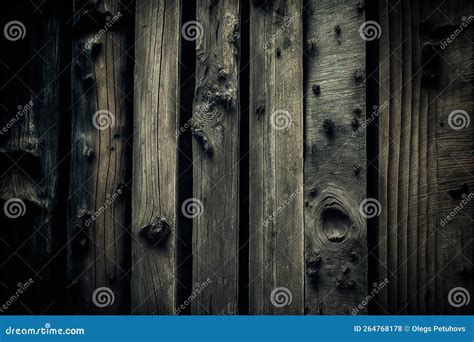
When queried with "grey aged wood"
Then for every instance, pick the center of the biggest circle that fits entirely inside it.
(97, 230)
(216, 117)
(276, 275)
(335, 163)
(154, 199)
(425, 166)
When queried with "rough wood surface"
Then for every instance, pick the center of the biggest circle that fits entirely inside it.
(154, 219)
(97, 230)
(335, 163)
(276, 273)
(29, 156)
(216, 116)
(426, 166)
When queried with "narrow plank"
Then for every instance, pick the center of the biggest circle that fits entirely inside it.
(428, 166)
(30, 150)
(156, 117)
(335, 162)
(449, 79)
(97, 231)
(216, 119)
(276, 266)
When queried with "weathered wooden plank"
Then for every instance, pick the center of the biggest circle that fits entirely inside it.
(428, 164)
(335, 163)
(154, 218)
(29, 156)
(97, 232)
(276, 275)
(216, 118)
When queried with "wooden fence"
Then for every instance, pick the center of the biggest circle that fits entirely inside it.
(237, 157)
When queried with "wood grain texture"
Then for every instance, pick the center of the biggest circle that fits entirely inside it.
(276, 158)
(216, 119)
(30, 123)
(154, 219)
(335, 164)
(426, 166)
(97, 232)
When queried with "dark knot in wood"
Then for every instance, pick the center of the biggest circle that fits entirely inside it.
(157, 232)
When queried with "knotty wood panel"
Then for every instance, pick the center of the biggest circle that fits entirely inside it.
(97, 231)
(156, 118)
(426, 166)
(31, 122)
(335, 163)
(216, 117)
(276, 276)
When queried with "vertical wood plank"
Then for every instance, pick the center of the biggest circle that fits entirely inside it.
(276, 276)
(428, 165)
(216, 118)
(157, 52)
(335, 164)
(97, 232)
(30, 151)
